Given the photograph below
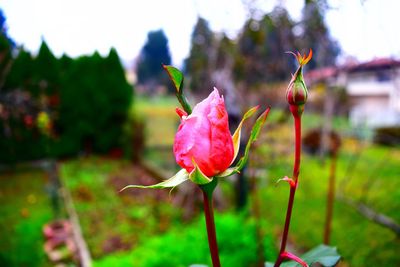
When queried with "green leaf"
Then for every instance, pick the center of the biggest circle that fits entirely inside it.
(255, 131)
(175, 180)
(236, 135)
(325, 255)
(176, 77)
(197, 176)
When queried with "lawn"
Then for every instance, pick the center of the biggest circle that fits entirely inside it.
(25, 207)
(112, 220)
(128, 228)
(366, 173)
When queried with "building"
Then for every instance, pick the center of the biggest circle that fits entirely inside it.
(372, 89)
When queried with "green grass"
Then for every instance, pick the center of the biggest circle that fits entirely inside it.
(114, 221)
(373, 178)
(24, 208)
(186, 245)
(160, 119)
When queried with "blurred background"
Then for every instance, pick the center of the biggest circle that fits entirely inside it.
(86, 109)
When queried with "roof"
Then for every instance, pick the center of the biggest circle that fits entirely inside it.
(375, 64)
(326, 73)
(320, 75)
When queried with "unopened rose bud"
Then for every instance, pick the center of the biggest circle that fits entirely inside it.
(204, 137)
(297, 92)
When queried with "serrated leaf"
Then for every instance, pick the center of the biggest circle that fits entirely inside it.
(197, 176)
(255, 131)
(175, 75)
(175, 180)
(236, 135)
(325, 255)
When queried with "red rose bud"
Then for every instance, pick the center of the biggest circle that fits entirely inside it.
(203, 137)
(297, 93)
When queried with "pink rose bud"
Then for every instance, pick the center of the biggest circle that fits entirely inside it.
(204, 137)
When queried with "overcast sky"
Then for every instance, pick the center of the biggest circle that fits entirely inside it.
(364, 28)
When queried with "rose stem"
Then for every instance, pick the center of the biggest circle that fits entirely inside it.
(293, 186)
(208, 190)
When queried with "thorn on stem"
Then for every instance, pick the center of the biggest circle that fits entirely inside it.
(290, 181)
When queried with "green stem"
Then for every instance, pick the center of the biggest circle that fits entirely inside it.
(184, 102)
(208, 190)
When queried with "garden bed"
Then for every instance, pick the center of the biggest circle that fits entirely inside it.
(25, 208)
(115, 221)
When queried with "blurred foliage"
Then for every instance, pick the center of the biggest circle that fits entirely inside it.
(86, 101)
(198, 65)
(389, 136)
(258, 53)
(7, 46)
(24, 210)
(186, 245)
(154, 53)
(314, 34)
(262, 45)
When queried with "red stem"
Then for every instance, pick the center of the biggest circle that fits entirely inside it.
(212, 237)
(293, 187)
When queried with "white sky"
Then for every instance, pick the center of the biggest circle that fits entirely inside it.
(364, 28)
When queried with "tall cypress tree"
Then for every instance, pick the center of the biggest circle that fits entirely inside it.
(315, 35)
(200, 62)
(7, 45)
(154, 53)
(262, 45)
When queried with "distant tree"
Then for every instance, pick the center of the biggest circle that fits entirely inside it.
(20, 73)
(95, 99)
(315, 35)
(154, 53)
(7, 45)
(281, 39)
(225, 53)
(201, 60)
(261, 46)
(46, 74)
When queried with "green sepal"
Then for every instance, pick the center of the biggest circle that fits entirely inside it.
(325, 255)
(177, 79)
(227, 172)
(255, 131)
(198, 177)
(236, 135)
(175, 180)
